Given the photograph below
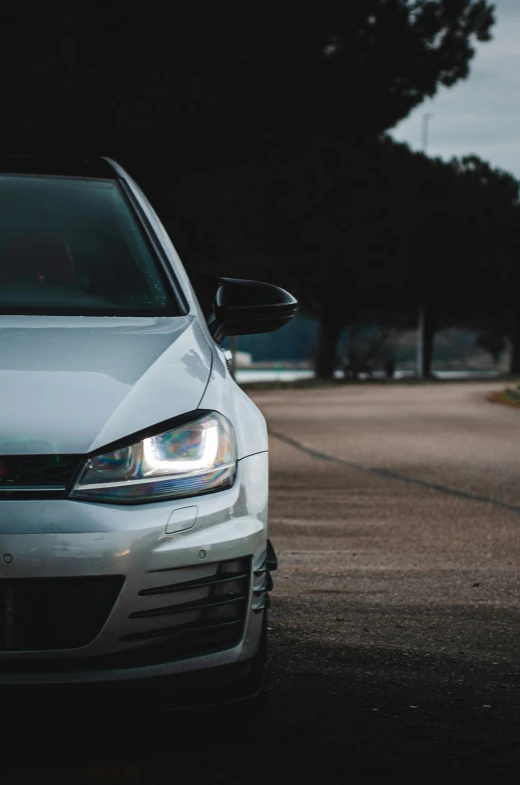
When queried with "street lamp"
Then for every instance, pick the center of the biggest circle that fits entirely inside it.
(421, 369)
(426, 120)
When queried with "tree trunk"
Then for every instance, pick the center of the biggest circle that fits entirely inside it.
(431, 321)
(514, 337)
(515, 357)
(428, 327)
(511, 322)
(327, 355)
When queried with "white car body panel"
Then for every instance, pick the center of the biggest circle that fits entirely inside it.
(72, 384)
(224, 396)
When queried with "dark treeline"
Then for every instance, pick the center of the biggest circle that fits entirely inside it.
(260, 135)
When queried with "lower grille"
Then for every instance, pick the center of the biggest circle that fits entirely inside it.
(225, 592)
(212, 622)
(54, 613)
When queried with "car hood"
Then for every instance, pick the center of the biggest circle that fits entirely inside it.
(73, 384)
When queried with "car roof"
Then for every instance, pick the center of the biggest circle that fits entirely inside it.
(65, 166)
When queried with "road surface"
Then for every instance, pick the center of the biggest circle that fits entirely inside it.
(395, 511)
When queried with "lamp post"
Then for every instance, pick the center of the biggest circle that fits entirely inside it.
(421, 316)
(425, 128)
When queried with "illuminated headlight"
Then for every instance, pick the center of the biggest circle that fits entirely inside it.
(195, 458)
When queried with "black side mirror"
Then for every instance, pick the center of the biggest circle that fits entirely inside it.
(244, 307)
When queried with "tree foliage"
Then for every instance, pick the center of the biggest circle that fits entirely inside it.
(259, 134)
(221, 83)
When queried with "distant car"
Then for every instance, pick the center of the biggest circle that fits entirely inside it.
(133, 470)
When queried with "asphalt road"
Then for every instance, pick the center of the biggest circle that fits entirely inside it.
(395, 511)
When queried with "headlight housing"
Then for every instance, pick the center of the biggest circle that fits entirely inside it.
(191, 459)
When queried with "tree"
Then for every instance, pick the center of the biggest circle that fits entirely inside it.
(220, 88)
(478, 274)
(493, 212)
(179, 102)
(398, 229)
(384, 231)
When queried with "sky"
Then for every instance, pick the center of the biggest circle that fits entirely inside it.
(480, 115)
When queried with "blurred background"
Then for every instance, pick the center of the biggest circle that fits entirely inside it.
(360, 157)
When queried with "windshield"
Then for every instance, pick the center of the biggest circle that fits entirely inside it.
(73, 246)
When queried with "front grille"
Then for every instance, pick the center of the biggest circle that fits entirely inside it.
(221, 590)
(54, 613)
(213, 621)
(47, 476)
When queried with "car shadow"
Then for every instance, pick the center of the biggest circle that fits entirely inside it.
(332, 711)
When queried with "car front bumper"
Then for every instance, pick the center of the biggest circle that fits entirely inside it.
(177, 591)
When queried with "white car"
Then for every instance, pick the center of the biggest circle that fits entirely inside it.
(133, 469)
